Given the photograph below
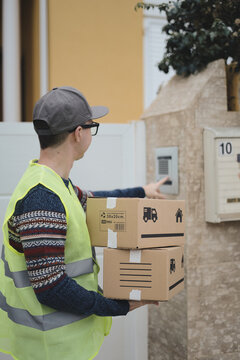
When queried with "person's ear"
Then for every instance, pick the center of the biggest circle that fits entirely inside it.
(78, 133)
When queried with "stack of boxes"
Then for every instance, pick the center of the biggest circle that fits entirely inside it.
(144, 246)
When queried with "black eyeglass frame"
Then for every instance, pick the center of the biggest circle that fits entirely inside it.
(94, 124)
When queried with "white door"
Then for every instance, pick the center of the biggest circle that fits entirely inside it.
(116, 159)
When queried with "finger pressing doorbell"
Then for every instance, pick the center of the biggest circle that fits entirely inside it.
(166, 160)
(222, 174)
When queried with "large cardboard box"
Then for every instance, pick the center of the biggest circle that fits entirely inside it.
(132, 223)
(152, 274)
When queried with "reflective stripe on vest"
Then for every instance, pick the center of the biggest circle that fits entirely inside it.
(21, 278)
(40, 322)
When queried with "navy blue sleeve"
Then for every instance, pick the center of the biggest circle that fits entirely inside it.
(129, 192)
(70, 297)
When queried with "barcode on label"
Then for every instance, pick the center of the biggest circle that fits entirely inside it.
(119, 227)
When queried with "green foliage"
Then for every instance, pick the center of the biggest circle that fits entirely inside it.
(198, 32)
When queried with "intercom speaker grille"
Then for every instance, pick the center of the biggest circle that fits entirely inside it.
(163, 168)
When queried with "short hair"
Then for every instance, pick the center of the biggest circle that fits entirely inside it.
(49, 140)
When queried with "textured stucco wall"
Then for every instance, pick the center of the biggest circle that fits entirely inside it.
(203, 321)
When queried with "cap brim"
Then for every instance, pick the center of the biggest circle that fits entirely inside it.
(99, 111)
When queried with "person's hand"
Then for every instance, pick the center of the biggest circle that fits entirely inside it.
(152, 190)
(136, 304)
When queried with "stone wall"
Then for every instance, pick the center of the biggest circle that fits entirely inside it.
(203, 321)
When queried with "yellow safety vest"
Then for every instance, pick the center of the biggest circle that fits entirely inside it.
(28, 329)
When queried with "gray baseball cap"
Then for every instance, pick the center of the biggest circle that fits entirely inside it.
(62, 109)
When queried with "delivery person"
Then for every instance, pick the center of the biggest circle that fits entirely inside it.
(50, 305)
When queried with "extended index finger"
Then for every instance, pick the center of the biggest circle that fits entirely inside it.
(162, 181)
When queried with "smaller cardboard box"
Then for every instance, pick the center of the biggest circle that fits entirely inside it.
(151, 274)
(130, 223)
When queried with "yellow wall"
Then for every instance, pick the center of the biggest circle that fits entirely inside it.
(96, 46)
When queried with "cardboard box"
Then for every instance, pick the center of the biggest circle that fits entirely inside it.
(152, 274)
(131, 223)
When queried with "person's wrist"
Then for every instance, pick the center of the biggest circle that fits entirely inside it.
(144, 192)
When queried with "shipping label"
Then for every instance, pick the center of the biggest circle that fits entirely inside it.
(114, 220)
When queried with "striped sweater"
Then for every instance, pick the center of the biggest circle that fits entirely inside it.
(38, 229)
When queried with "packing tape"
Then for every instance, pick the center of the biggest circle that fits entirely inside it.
(135, 295)
(112, 239)
(135, 256)
(111, 202)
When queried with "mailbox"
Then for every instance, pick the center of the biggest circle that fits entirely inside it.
(222, 174)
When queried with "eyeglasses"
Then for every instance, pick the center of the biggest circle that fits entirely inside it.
(93, 126)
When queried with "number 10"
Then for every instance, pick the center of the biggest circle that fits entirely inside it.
(225, 148)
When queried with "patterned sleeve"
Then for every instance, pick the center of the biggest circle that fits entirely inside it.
(38, 228)
(82, 196)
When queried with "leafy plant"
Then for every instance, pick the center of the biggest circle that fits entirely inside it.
(198, 32)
